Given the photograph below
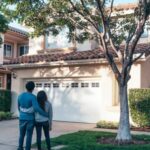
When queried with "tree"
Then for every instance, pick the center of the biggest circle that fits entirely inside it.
(3, 26)
(3, 23)
(92, 19)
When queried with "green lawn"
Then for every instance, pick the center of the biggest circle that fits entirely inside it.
(87, 140)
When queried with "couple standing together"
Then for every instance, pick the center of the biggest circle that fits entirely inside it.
(34, 112)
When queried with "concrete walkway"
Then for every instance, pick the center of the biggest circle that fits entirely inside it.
(9, 132)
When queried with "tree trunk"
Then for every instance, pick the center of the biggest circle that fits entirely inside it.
(123, 135)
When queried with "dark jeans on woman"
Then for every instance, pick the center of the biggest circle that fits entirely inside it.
(26, 128)
(45, 126)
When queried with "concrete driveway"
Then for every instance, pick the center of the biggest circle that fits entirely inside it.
(9, 132)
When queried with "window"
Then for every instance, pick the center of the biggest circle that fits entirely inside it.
(38, 85)
(24, 49)
(1, 82)
(7, 50)
(84, 85)
(59, 41)
(47, 85)
(65, 85)
(95, 84)
(74, 85)
(55, 85)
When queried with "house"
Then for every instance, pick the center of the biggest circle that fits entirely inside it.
(15, 44)
(77, 78)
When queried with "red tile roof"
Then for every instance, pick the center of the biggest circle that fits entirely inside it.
(126, 6)
(19, 31)
(4, 70)
(76, 55)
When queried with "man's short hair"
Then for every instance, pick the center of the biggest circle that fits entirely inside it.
(30, 86)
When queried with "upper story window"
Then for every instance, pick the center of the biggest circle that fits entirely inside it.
(59, 41)
(7, 50)
(23, 49)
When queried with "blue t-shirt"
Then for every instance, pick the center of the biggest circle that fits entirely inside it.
(25, 101)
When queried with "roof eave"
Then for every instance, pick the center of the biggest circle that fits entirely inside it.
(62, 63)
(21, 32)
(56, 63)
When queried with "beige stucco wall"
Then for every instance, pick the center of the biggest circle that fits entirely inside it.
(145, 73)
(135, 81)
(1, 50)
(99, 71)
(41, 43)
(75, 72)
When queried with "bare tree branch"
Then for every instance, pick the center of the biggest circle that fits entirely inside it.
(103, 36)
(99, 5)
(113, 65)
(138, 34)
(117, 51)
(141, 54)
(107, 54)
(85, 8)
(111, 10)
(129, 38)
(135, 59)
(139, 29)
(85, 17)
(103, 3)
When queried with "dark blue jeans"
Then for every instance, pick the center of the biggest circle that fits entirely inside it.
(26, 128)
(45, 126)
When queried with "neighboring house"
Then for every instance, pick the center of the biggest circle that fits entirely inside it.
(76, 77)
(15, 44)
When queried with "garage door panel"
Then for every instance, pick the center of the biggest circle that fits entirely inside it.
(76, 101)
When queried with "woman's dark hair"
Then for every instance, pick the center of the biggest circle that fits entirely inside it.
(42, 98)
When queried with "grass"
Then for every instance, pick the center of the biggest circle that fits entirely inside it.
(87, 140)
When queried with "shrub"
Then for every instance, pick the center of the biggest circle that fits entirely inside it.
(5, 100)
(5, 115)
(107, 124)
(139, 100)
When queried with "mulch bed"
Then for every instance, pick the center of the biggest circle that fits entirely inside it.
(112, 141)
(145, 129)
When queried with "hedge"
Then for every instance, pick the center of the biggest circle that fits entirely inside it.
(139, 102)
(107, 124)
(5, 100)
(5, 115)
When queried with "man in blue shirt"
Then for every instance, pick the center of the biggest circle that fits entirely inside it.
(27, 101)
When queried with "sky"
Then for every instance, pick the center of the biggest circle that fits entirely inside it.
(117, 2)
(125, 1)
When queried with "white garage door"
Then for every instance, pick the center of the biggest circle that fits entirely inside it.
(73, 100)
